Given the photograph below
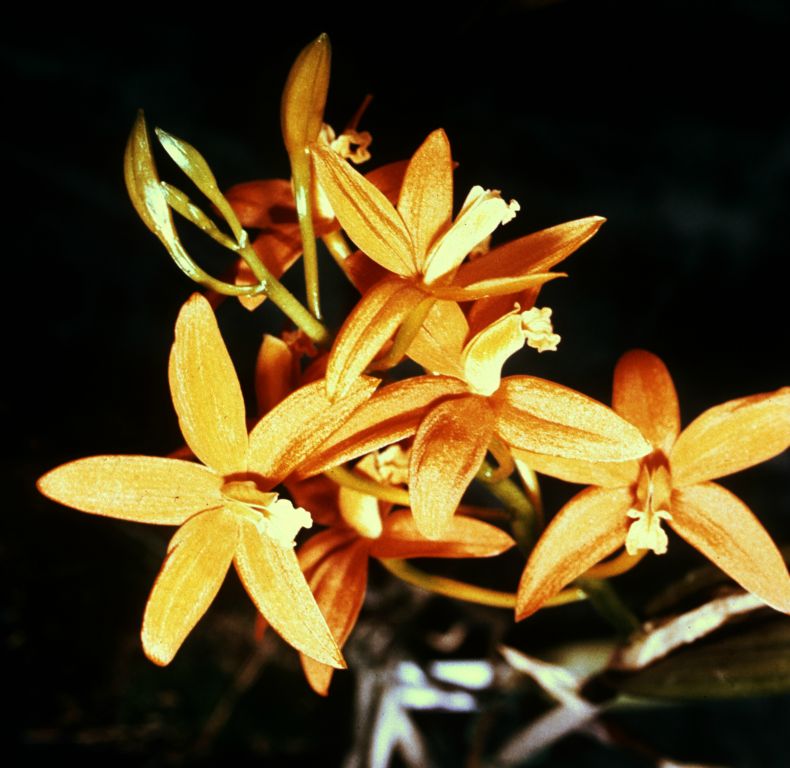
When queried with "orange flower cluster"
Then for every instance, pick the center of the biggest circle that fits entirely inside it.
(432, 290)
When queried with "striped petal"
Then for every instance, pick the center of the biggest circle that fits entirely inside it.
(197, 562)
(607, 474)
(426, 197)
(438, 345)
(485, 311)
(263, 204)
(496, 286)
(205, 390)
(338, 582)
(532, 254)
(723, 528)
(392, 414)
(463, 537)
(294, 429)
(274, 370)
(644, 394)
(450, 444)
(145, 489)
(388, 179)
(541, 416)
(592, 525)
(732, 437)
(369, 326)
(271, 574)
(365, 213)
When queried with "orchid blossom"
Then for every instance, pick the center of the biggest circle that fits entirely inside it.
(225, 506)
(629, 502)
(360, 527)
(457, 416)
(423, 249)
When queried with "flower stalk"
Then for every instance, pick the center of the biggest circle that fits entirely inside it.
(524, 519)
(470, 593)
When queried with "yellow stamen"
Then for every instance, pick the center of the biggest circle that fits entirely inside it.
(538, 330)
(389, 466)
(274, 517)
(284, 521)
(653, 496)
(646, 531)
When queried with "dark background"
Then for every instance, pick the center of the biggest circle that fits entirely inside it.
(670, 120)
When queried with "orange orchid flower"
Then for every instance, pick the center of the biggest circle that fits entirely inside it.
(335, 561)
(225, 507)
(457, 417)
(629, 501)
(423, 248)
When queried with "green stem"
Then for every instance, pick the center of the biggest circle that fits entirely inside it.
(441, 585)
(302, 184)
(609, 605)
(405, 335)
(349, 479)
(284, 299)
(523, 519)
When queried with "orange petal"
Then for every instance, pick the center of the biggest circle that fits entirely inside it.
(371, 323)
(723, 528)
(263, 204)
(273, 373)
(541, 416)
(592, 525)
(497, 286)
(363, 272)
(198, 559)
(644, 394)
(360, 511)
(532, 254)
(295, 428)
(487, 351)
(388, 179)
(271, 574)
(145, 489)
(365, 213)
(205, 390)
(319, 495)
(321, 546)
(338, 583)
(390, 415)
(450, 444)
(438, 344)
(426, 197)
(732, 437)
(607, 474)
(463, 537)
(485, 311)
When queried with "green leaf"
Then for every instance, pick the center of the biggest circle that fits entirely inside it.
(752, 659)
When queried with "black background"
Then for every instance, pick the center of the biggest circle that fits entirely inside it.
(670, 119)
